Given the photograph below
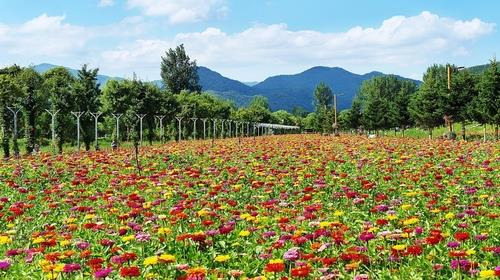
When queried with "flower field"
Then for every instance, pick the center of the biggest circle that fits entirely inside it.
(274, 207)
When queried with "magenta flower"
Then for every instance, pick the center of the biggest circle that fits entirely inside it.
(4, 264)
(366, 236)
(71, 267)
(102, 273)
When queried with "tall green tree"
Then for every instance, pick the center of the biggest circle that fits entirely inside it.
(59, 82)
(178, 72)
(9, 94)
(463, 90)
(354, 116)
(426, 105)
(401, 101)
(486, 104)
(323, 98)
(32, 101)
(86, 94)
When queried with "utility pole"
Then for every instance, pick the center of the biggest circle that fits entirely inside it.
(204, 120)
(179, 119)
(141, 117)
(96, 117)
(117, 124)
(78, 115)
(160, 119)
(194, 127)
(53, 125)
(14, 112)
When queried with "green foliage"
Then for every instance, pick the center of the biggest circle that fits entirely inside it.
(486, 104)
(86, 94)
(59, 82)
(178, 72)
(10, 93)
(33, 102)
(323, 98)
(426, 106)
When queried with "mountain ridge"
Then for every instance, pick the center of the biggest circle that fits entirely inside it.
(283, 91)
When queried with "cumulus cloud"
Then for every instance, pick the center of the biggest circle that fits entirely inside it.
(43, 36)
(259, 51)
(179, 11)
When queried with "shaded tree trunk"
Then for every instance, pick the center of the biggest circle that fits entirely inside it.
(496, 132)
(484, 132)
(430, 133)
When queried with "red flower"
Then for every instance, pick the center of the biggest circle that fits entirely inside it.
(461, 236)
(128, 256)
(132, 271)
(414, 250)
(302, 271)
(275, 267)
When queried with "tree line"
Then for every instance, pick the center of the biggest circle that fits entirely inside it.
(447, 94)
(57, 92)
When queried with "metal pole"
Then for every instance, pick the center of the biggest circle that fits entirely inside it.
(204, 128)
(117, 117)
(14, 112)
(230, 131)
(160, 118)
(96, 117)
(77, 115)
(194, 127)
(222, 133)
(53, 115)
(140, 116)
(215, 124)
(179, 119)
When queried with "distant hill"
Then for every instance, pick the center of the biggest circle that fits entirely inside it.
(283, 91)
(478, 69)
(44, 67)
(287, 91)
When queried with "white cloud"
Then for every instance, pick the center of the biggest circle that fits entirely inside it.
(106, 3)
(180, 11)
(399, 45)
(43, 36)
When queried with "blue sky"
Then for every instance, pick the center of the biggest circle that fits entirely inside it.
(250, 40)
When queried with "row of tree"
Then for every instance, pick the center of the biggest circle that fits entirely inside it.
(390, 102)
(58, 93)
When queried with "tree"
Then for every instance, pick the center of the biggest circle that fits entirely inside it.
(463, 91)
(178, 72)
(59, 82)
(426, 105)
(401, 101)
(86, 94)
(9, 94)
(323, 97)
(488, 100)
(354, 115)
(32, 101)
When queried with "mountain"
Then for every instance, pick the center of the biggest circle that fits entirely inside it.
(283, 91)
(44, 67)
(287, 91)
(478, 69)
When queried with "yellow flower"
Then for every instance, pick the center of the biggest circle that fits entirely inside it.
(338, 213)
(5, 239)
(391, 217)
(400, 247)
(324, 224)
(51, 276)
(128, 238)
(202, 213)
(167, 258)
(406, 206)
(222, 258)
(151, 275)
(244, 233)
(470, 252)
(449, 216)
(64, 243)
(164, 231)
(151, 260)
(89, 216)
(11, 225)
(276, 261)
(487, 274)
(410, 221)
(59, 267)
